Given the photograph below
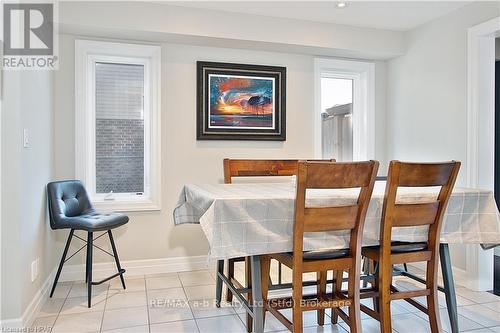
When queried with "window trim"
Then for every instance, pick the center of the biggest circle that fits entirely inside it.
(87, 52)
(363, 115)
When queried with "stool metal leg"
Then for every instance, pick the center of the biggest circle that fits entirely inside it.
(63, 258)
(86, 268)
(90, 241)
(117, 261)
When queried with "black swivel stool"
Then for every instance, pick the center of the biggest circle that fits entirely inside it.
(70, 208)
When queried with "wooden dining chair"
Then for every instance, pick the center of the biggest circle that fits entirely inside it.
(253, 168)
(397, 213)
(324, 175)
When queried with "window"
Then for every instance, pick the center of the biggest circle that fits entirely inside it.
(344, 112)
(117, 124)
(336, 118)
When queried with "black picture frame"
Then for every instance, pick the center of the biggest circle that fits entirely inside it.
(205, 70)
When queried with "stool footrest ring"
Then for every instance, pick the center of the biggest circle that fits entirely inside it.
(109, 277)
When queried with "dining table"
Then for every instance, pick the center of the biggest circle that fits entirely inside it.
(253, 219)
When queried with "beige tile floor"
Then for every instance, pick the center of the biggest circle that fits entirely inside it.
(184, 302)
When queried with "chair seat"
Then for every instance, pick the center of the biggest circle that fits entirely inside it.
(400, 252)
(93, 221)
(325, 254)
(404, 247)
(333, 259)
(401, 247)
(321, 254)
(309, 256)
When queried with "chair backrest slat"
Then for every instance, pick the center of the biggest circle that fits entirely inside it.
(339, 175)
(258, 168)
(425, 174)
(406, 215)
(330, 218)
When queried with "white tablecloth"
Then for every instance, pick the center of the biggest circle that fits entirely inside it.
(251, 219)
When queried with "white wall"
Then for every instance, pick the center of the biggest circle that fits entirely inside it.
(27, 103)
(426, 93)
(11, 207)
(151, 235)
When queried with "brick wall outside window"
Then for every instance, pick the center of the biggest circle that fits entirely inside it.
(119, 155)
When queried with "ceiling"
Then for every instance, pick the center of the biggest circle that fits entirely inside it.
(390, 15)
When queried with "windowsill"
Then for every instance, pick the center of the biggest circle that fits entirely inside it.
(126, 205)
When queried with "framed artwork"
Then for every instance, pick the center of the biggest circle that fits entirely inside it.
(240, 102)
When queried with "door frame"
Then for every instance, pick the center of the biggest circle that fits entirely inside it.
(480, 163)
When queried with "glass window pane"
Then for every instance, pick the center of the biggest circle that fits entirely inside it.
(119, 128)
(336, 118)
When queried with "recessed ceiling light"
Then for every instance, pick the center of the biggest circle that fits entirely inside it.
(341, 4)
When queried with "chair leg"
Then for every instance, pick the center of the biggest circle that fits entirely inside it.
(90, 244)
(354, 308)
(376, 286)
(61, 263)
(337, 289)
(433, 306)
(297, 300)
(248, 279)
(321, 292)
(117, 260)
(384, 304)
(265, 267)
(218, 285)
(230, 277)
(432, 299)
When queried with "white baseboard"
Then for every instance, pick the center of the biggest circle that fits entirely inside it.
(38, 300)
(135, 267)
(11, 324)
(33, 308)
(100, 271)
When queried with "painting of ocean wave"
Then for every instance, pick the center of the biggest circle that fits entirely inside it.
(241, 102)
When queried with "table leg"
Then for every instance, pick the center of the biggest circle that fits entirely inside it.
(258, 320)
(449, 286)
(218, 283)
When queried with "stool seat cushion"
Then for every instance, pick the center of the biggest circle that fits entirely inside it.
(93, 221)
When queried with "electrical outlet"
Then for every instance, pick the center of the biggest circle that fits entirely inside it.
(34, 269)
